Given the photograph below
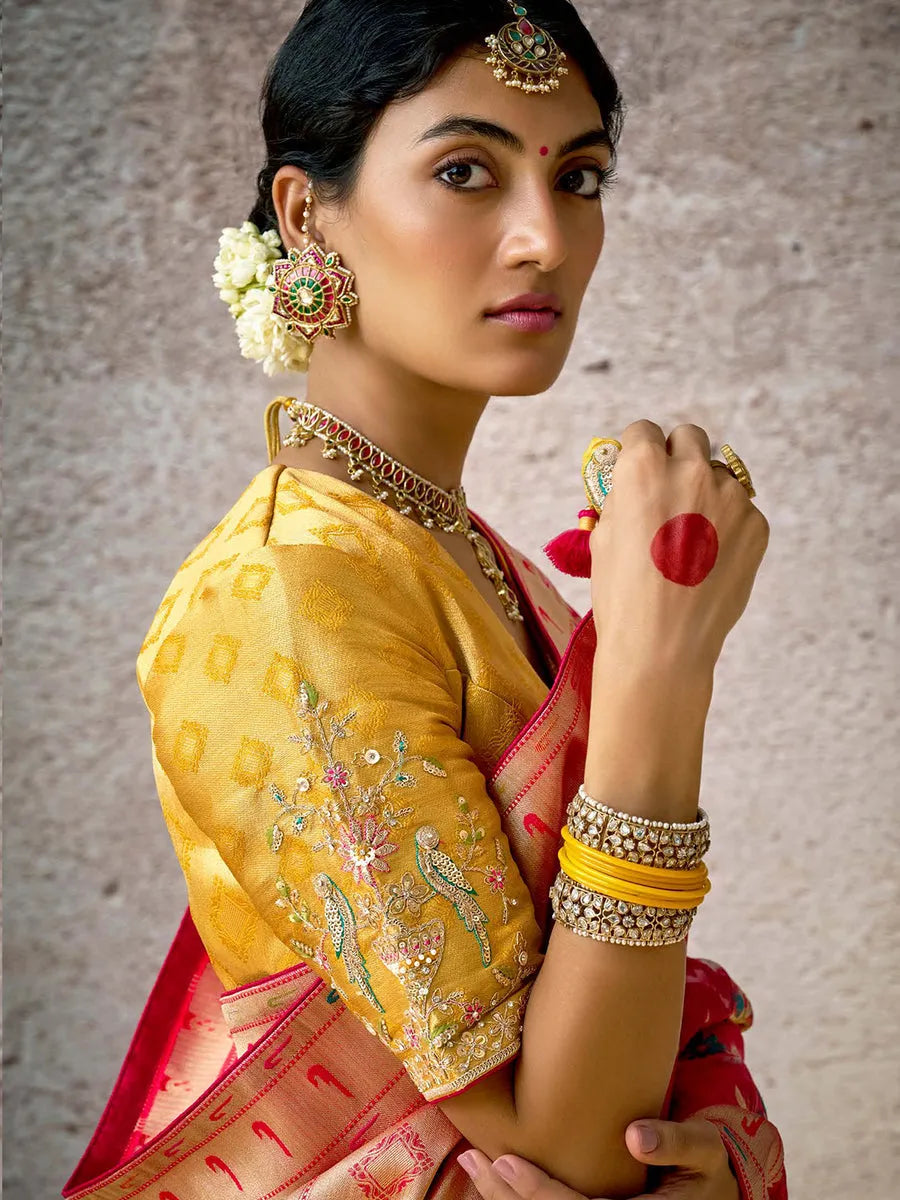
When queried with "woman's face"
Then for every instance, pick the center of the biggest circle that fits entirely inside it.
(430, 259)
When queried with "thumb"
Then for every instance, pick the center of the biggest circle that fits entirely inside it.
(694, 1143)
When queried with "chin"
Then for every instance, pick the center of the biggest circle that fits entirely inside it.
(523, 379)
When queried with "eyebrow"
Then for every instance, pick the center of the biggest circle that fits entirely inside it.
(460, 125)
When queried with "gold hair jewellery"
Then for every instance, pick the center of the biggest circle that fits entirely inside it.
(525, 56)
(414, 495)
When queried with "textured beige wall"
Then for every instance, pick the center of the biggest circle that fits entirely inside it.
(748, 284)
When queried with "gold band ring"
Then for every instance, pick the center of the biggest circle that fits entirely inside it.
(738, 469)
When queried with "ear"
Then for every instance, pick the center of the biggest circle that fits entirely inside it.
(289, 188)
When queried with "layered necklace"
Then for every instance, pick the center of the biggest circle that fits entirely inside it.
(412, 494)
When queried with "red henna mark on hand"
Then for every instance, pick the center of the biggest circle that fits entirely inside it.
(685, 548)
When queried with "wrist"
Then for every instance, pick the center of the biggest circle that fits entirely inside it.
(645, 739)
(684, 685)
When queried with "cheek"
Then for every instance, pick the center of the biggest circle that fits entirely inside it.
(421, 250)
(685, 548)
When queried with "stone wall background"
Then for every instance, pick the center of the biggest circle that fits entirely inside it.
(748, 284)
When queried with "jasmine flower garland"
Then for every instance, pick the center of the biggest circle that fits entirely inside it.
(244, 273)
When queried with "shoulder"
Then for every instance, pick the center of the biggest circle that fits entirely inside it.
(290, 560)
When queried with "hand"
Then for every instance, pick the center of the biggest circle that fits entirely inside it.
(691, 1154)
(674, 553)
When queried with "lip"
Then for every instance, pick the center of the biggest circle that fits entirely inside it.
(528, 300)
(528, 320)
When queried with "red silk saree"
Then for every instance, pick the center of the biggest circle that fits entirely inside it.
(276, 1089)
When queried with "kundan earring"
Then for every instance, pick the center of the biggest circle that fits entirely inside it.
(313, 292)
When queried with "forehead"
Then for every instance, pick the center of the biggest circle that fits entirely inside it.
(467, 85)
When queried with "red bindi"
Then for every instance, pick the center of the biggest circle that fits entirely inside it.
(685, 548)
(544, 150)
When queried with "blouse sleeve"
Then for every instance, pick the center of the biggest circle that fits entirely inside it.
(308, 719)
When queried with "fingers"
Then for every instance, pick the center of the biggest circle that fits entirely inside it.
(527, 1182)
(694, 1143)
(689, 441)
(647, 432)
(685, 441)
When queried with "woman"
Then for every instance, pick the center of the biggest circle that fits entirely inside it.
(369, 712)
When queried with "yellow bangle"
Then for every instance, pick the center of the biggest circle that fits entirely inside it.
(683, 880)
(606, 885)
(579, 863)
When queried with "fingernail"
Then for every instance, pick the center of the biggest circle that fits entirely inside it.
(648, 1138)
(505, 1168)
(467, 1162)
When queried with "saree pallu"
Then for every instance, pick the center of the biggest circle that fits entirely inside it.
(275, 1089)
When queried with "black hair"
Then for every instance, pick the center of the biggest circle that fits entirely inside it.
(344, 61)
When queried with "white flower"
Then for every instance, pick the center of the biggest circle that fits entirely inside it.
(244, 273)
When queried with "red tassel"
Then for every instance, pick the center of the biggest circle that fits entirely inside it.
(570, 551)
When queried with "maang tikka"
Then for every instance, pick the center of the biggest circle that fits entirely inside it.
(525, 56)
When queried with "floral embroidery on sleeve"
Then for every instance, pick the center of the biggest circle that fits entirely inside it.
(345, 811)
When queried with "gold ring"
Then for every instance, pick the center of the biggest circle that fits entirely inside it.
(737, 468)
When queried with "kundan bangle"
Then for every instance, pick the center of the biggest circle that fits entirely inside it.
(666, 844)
(591, 914)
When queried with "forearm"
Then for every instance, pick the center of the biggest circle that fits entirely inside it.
(599, 1044)
(602, 1022)
(601, 1027)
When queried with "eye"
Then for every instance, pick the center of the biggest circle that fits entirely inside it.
(463, 166)
(458, 165)
(605, 177)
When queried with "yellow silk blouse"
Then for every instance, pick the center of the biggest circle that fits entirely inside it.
(328, 691)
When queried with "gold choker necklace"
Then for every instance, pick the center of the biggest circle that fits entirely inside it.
(413, 495)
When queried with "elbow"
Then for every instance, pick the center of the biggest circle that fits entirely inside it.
(599, 1168)
(486, 1114)
(607, 1171)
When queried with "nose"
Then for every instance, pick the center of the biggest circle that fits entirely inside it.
(534, 229)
